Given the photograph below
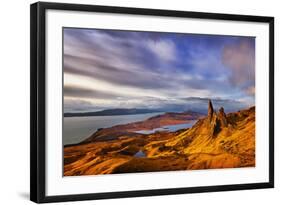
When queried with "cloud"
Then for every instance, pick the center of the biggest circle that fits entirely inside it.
(99, 61)
(240, 59)
(250, 90)
(136, 69)
(163, 49)
(79, 92)
(200, 104)
(116, 60)
(78, 105)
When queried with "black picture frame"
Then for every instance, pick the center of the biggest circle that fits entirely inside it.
(38, 100)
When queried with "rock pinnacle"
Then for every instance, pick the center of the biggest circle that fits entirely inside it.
(210, 109)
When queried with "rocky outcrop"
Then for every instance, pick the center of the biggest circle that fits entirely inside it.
(210, 110)
(222, 117)
(215, 121)
(230, 134)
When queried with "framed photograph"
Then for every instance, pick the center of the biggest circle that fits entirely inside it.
(129, 102)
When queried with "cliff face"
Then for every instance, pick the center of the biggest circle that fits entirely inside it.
(218, 140)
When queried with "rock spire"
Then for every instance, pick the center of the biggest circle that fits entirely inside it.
(210, 109)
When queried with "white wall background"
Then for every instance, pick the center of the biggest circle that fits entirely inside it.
(14, 101)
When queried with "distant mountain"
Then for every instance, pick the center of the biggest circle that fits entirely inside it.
(111, 112)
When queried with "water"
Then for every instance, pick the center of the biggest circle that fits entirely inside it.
(77, 129)
(140, 154)
(168, 128)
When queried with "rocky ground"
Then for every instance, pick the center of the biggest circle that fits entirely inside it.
(217, 140)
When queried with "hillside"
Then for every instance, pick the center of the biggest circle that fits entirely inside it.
(217, 140)
(170, 118)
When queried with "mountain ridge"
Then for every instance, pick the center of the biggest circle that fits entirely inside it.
(111, 112)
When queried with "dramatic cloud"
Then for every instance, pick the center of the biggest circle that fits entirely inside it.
(73, 91)
(240, 58)
(106, 68)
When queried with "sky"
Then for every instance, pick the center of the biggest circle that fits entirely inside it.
(107, 69)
